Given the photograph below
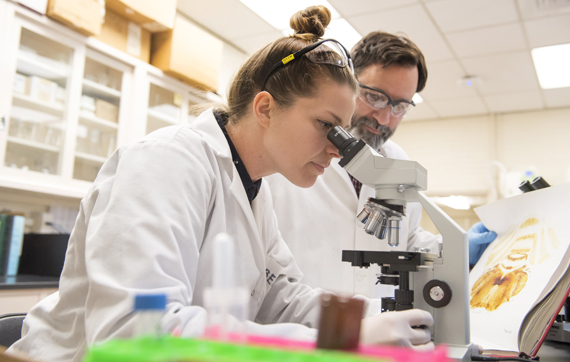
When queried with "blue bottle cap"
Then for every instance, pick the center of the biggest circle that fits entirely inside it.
(150, 301)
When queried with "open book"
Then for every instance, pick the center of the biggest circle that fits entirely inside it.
(521, 281)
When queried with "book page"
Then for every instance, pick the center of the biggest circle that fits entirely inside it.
(522, 265)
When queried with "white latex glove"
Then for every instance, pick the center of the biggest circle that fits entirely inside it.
(395, 328)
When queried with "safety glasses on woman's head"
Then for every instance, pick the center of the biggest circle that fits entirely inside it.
(332, 52)
(377, 99)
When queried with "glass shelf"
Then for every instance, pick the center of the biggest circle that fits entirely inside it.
(29, 63)
(102, 77)
(98, 116)
(158, 117)
(33, 144)
(43, 57)
(96, 121)
(88, 157)
(29, 102)
(98, 90)
(31, 156)
(164, 108)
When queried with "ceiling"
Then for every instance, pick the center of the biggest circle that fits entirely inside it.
(491, 39)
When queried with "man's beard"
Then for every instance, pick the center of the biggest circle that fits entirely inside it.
(372, 139)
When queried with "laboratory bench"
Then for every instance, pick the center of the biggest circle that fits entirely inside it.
(28, 282)
(551, 351)
(19, 293)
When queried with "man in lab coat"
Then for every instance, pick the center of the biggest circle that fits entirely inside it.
(319, 222)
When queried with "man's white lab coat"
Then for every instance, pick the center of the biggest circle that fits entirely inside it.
(147, 225)
(319, 222)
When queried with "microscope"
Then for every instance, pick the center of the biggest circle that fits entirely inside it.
(433, 280)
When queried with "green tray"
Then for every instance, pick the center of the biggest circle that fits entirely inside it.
(174, 349)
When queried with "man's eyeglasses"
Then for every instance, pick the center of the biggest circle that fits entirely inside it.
(333, 53)
(377, 99)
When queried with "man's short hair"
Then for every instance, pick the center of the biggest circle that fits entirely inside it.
(386, 49)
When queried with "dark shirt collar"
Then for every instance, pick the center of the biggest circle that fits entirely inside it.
(251, 188)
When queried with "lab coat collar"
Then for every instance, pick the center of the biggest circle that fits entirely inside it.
(251, 187)
(208, 127)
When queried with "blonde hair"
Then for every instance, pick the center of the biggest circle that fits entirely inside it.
(297, 79)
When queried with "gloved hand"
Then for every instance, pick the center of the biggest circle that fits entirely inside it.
(479, 238)
(396, 328)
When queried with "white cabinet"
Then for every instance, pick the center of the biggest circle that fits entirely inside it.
(39, 111)
(68, 101)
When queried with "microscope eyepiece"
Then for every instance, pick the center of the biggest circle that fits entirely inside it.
(341, 139)
(539, 183)
(536, 184)
(347, 145)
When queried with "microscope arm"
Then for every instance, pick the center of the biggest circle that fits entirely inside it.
(452, 267)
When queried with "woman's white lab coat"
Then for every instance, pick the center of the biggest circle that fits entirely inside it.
(147, 225)
(320, 222)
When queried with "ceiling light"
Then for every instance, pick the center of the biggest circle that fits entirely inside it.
(278, 14)
(338, 29)
(342, 31)
(470, 81)
(417, 99)
(552, 66)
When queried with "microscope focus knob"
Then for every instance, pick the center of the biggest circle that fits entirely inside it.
(437, 293)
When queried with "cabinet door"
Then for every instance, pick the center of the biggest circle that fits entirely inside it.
(102, 113)
(164, 106)
(194, 97)
(170, 103)
(38, 118)
(160, 101)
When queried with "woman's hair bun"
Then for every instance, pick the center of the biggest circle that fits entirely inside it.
(313, 20)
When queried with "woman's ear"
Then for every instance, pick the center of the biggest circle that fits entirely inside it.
(262, 107)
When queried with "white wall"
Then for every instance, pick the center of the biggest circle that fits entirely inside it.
(458, 152)
(455, 152)
(541, 139)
